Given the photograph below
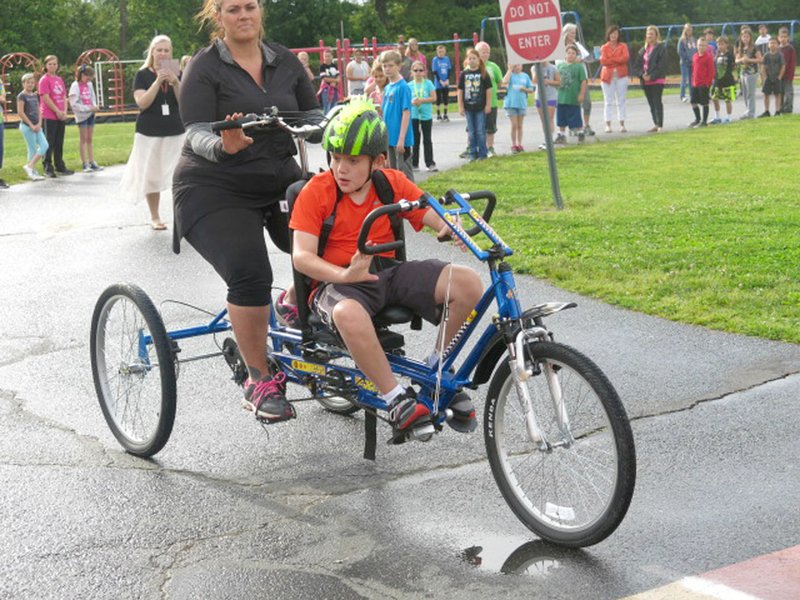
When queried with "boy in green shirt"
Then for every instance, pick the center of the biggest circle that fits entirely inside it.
(570, 96)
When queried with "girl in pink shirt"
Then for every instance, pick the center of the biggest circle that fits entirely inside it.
(53, 95)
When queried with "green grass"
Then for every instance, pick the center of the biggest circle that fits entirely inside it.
(697, 226)
(112, 145)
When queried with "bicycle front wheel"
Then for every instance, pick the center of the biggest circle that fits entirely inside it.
(134, 369)
(565, 463)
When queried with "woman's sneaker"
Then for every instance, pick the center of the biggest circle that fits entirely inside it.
(95, 167)
(405, 411)
(31, 173)
(286, 314)
(266, 397)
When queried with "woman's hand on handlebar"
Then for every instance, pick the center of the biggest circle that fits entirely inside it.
(234, 140)
(358, 271)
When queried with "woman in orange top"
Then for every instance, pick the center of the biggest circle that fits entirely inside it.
(614, 76)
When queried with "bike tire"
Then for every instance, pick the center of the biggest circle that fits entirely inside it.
(547, 489)
(135, 383)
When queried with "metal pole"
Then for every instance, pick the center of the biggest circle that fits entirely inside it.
(548, 137)
(607, 9)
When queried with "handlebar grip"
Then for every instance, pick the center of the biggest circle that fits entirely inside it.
(366, 226)
(218, 126)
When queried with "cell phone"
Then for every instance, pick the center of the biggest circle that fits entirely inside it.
(170, 64)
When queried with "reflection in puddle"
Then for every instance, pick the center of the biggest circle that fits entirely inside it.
(535, 559)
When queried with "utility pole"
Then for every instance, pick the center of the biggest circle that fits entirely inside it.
(607, 9)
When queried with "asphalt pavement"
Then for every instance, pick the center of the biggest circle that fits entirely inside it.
(228, 510)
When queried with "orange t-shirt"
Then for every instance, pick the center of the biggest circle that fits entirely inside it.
(315, 204)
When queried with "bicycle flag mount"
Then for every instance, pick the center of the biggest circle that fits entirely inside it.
(532, 31)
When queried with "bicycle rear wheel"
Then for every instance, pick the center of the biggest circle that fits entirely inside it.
(574, 488)
(134, 369)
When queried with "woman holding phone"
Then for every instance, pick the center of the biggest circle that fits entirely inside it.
(159, 129)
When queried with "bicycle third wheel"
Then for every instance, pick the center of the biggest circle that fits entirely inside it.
(134, 369)
(574, 487)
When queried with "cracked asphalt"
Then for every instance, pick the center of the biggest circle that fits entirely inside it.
(228, 510)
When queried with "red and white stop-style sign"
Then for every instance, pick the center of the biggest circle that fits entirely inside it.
(532, 30)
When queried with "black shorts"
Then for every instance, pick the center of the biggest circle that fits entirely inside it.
(699, 95)
(410, 284)
(772, 87)
(232, 241)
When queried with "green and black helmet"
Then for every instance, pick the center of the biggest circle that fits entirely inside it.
(357, 130)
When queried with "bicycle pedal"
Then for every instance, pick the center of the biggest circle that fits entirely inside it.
(420, 432)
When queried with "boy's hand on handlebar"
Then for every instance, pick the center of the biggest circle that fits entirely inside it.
(446, 234)
(234, 140)
(358, 271)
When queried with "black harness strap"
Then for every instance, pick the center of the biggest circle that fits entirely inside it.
(370, 434)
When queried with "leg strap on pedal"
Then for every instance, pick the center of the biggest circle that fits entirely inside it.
(370, 434)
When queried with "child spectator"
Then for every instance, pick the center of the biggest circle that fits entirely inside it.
(3, 184)
(475, 102)
(30, 126)
(762, 41)
(53, 94)
(519, 85)
(329, 86)
(570, 34)
(441, 67)
(348, 294)
(357, 73)
(413, 53)
(550, 96)
(570, 95)
(772, 69)
(496, 74)
(702, 79)
(423, 95)
(83, 101)
(375, 84)
(396, 109)
(724, 81)
(303, 58)
(710, 35)
(790, 58)
(405, 64)
(748, 58)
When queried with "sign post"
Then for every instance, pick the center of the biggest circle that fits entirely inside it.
(532, 31)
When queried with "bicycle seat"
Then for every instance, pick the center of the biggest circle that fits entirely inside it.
(389, 340)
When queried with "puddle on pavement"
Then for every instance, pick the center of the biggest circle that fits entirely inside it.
(534, 558)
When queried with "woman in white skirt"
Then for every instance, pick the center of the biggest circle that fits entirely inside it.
(159, 129)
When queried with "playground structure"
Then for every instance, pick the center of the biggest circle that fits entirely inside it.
(112, 80)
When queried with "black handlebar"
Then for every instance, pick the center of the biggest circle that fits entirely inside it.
(218, 126)
(274, 118)
(480, 195)
(381, 211)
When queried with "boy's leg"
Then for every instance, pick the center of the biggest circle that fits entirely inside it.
(354, 324)
(466, 289)
(788, 97)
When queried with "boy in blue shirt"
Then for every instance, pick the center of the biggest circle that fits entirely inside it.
(396, 110)
(441, 67)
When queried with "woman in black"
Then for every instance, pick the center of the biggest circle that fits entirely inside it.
(651, 66)
(159, 131)
(226, 188)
